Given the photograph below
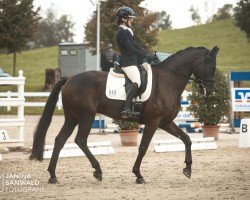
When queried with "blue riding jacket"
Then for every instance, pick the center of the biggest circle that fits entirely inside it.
(131, 52)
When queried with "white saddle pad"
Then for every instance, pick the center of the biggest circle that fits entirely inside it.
(115, 88)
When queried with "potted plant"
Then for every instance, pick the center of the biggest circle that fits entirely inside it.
(128, 131)
(210, 110)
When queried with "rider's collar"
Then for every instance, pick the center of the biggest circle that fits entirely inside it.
(125, 27)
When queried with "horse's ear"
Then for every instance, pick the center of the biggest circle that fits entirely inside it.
(215, 50)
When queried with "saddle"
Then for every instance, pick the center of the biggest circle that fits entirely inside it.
(118, 84)
(128, 82)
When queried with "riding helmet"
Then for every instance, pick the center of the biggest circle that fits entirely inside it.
(125, 12)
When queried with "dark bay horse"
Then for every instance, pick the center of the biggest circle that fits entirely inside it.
(83, 95)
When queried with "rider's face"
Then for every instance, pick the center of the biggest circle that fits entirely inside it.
(130, 21)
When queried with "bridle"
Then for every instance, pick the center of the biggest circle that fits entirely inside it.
(200, 84)
(199, 81)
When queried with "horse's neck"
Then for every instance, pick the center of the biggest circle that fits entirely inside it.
(170, 82)
(178, 73)
(177, 80)
(181, 66)
(174, 74)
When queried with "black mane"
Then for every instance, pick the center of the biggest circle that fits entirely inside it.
(181, 52)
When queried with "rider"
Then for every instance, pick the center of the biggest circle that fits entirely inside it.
(131, 53)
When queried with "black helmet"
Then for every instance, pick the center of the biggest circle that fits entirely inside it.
(125, 12)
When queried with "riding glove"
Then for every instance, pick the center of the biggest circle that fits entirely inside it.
(152, 57)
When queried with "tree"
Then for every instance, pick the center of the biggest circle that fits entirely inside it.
(242, 16)
(212, 109)
(195, 15)
(224, 12)
(163, 21)
(144, 35)
(18, 23)
(64, 28)
(52, 31)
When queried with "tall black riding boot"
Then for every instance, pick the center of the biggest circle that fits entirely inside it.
(127, 112)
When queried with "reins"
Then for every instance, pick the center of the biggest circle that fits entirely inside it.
(198, 81)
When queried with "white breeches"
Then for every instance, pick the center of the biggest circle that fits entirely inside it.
(133, 74)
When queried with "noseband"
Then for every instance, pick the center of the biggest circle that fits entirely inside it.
(200, 84)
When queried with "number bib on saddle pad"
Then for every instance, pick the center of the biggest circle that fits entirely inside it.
(115, 88)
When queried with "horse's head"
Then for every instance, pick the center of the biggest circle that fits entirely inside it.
(205, 71)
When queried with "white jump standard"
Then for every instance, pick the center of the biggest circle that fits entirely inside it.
(177, 145)
(72, 150)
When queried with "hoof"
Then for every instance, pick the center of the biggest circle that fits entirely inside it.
(97, 175)
(187, 172)
(53, 181)
(140, 181)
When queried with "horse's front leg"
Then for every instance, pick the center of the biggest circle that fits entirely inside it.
(174, 130)
(148, 133)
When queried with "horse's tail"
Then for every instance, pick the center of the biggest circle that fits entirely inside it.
(44, 122)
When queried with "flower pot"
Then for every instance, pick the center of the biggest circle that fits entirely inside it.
(211, 131)
(128, 137)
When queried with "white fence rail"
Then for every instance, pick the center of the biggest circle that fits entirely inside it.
(11, 96)
(19, 102)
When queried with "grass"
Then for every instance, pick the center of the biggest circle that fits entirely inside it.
(234, 49)
(33, 63)
(234, 52)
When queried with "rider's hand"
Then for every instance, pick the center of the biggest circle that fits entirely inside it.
(152, 57)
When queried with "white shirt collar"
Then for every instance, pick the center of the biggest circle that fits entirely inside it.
(125, 27)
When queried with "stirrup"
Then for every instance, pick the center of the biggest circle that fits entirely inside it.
(137, 114)
(126, 113)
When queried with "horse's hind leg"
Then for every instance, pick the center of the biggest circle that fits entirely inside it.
(60, 140)
(81, 140)
(174, 130)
